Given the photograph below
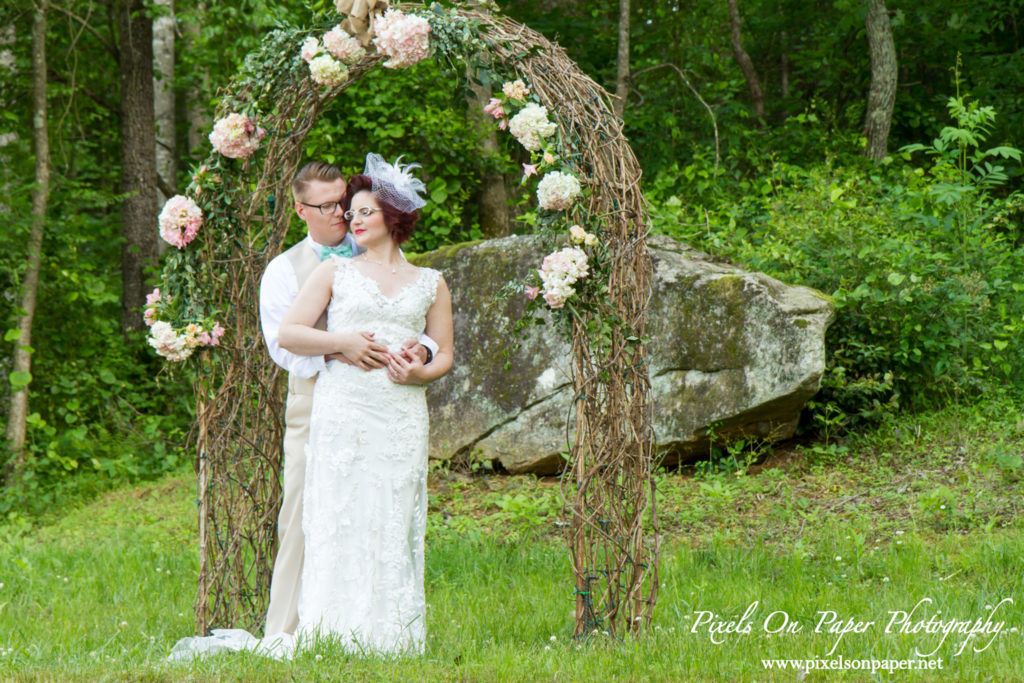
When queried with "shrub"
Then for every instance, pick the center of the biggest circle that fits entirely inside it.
(924, 261)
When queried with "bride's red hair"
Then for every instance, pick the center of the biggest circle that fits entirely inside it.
(401, 224)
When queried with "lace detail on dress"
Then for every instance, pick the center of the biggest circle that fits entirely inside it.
(365, 498)
(364, 508)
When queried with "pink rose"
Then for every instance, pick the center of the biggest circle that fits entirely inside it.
(216, 333)
(495, 109)
(517, 90)
(532, 292)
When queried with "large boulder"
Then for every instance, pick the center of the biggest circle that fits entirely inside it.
(731, 351)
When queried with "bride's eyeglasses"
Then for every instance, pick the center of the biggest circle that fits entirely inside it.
(326, 209)
(364, 211)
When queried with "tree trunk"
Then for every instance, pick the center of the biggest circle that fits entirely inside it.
(195, 99)
(8, 64)
(163, 93)
(22, 367)
(884, 74)
(622, 77)
(493, 211)
(784, 67)
(746, 65)
(138, 154)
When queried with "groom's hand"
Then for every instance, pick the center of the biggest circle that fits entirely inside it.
(414, 347)
(362, 350)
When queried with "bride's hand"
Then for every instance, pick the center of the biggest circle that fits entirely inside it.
(363, 351)
(404, 367)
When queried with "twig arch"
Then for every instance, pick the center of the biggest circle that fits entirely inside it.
(613, 536)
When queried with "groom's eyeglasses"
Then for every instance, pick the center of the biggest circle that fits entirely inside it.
(325, 209)
(363, 211)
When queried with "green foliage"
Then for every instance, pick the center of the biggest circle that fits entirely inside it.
(100, 414)
(728, 456)
(940, 232)
(419, 114)
(924, 262)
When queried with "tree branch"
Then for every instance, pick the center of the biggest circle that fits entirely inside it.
(165, 187)
(88, 27)
(76, 88)
(711, 113)
(745, 63)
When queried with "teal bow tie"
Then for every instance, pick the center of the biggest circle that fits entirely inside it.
(342, 249)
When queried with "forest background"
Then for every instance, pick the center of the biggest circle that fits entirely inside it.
(864, 148)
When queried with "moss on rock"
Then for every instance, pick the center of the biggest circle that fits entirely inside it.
(728, 347)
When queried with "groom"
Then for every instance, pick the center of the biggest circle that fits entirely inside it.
(318, 190)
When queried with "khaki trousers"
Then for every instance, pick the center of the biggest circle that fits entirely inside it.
(283, 612)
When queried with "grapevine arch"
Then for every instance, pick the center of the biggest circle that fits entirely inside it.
(612, 537)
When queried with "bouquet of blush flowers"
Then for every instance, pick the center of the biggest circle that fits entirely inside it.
(559, 271)
(180, 220)
(236, 136)
(403, 38)
(342, 46)
(174, 344)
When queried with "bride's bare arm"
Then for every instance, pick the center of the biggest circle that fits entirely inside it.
(298, 334)
(439, 328)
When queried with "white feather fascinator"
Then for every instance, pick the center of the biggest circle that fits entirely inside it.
(395, 183)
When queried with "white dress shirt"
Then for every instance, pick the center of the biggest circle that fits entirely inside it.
(278, 289)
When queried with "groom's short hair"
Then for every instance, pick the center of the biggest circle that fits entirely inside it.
(313, 171)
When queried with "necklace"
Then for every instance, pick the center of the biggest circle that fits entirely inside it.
(394, 266)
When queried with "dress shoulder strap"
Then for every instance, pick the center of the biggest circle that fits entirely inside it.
(431, 278)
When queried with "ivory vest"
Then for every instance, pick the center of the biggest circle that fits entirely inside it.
(304, 260)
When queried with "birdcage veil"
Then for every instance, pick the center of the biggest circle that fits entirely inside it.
(395, 183)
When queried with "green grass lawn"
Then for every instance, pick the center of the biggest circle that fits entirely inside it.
(925, 507)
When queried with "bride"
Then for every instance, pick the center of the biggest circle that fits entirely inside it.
(365, 496)
(365, 501)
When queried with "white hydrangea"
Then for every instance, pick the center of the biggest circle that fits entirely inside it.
(168, 343)
(559, 271)
(326, 70)
(530, 125)
(556, 191)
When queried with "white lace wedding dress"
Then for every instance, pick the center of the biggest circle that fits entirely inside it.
(365, 498)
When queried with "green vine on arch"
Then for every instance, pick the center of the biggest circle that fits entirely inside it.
(182, 319)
